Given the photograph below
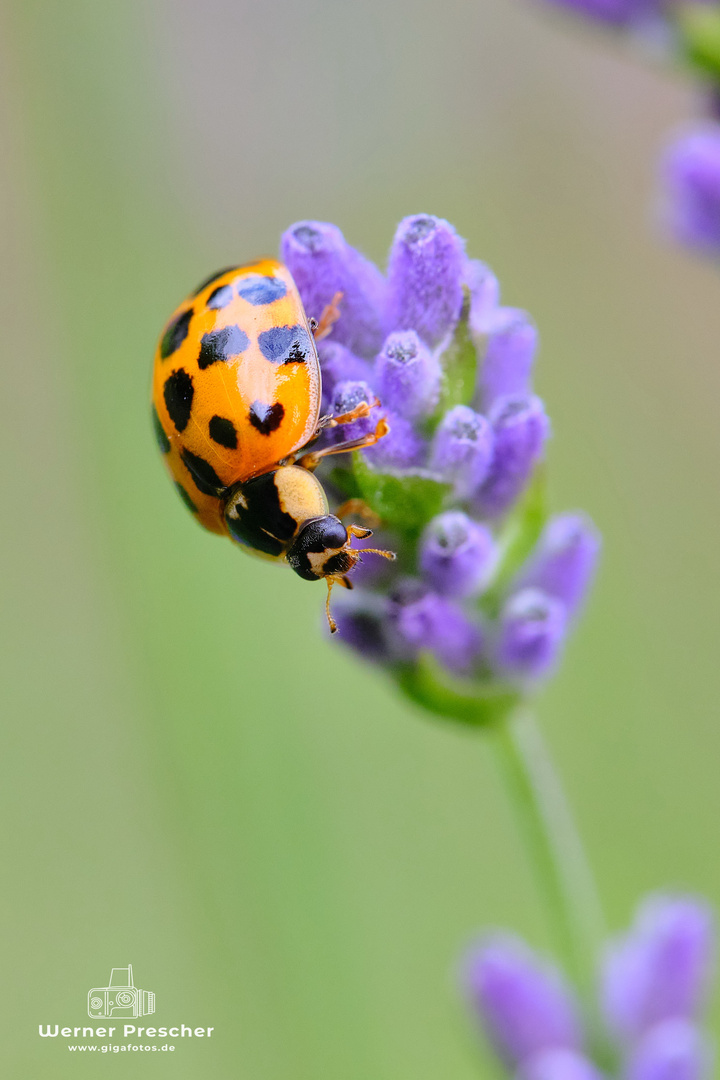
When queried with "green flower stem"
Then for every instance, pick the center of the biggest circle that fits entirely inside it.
(554, 843)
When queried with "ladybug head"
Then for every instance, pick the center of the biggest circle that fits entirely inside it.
(322, 550)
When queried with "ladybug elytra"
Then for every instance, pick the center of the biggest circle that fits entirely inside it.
(236, 399)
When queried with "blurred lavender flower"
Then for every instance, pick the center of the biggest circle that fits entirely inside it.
(481, 589)
(690, 178)
(660, 970)
(654, 987)
(682, 32)
(619, 13)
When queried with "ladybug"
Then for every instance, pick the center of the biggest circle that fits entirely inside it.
(236, 399)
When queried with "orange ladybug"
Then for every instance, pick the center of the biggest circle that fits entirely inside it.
(236, 398)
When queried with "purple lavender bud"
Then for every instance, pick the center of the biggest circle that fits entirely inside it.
(530, 635)
(558, 1065)
(424, 620)
(463, 449)
(564, 562)
(484, 295)
(690, 178)
(524, 1005)
(346, 397)
(408, 376)
(660, 969)
(674, 1050)
(520, 427)
(338, 365)
(401, 448)
(509, 354)
(362, 629)
(425, 273)
(322, 264)
(457, 555)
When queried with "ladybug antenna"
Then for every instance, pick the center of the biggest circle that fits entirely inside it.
(376, 551)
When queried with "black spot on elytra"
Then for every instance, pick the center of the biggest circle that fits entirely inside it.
(178, 393)
(266, 418)
(285, 344)
(220, 297)
(222, 345)
(175, 333)
(213, 277)
(223, 431)
(162, 439)
(257, 289)
(202, 472)
(186, 498)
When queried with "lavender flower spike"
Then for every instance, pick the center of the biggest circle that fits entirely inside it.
(323, 264)
(524, 1005)
(457, 554)
(691, 189)
(564, 561)
(425, 272)
(447, 372)
(531, 634)
(659, 971)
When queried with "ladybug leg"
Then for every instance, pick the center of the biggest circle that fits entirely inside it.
(329, 317)
(362, 510)
(361, 410)
(312, 460)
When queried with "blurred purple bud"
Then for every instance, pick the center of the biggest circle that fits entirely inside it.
(401, 448)
(564, 561)
(424, 620)
(520, 427)
(346, 397)
(463, 449)
(614, 12)
(690, 180)
(425, 272)
(558, 1065)
(674, 1050)
(484, 295)
(524, 1004)
(457, 555)
(511, 344)
(530, 635)
(322, 264)
(408, 376)
(338, 365)
(361, 627)
(660, 969)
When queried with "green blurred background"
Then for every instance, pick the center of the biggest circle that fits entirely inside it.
(194, 780)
